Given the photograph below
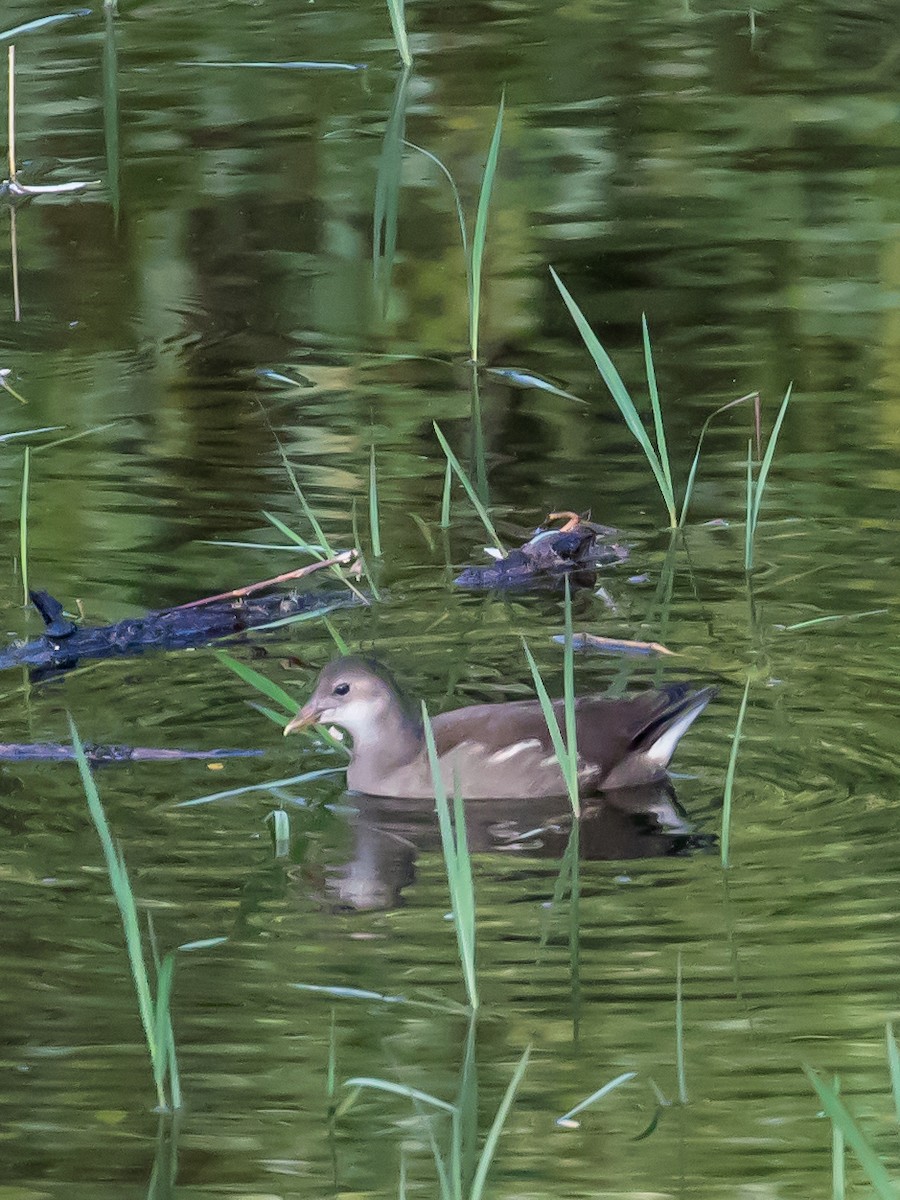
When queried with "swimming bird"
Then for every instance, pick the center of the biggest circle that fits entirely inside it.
(495, 751)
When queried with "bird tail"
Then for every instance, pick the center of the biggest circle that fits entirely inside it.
(656, 742)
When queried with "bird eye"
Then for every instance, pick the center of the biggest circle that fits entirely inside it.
(342, 689)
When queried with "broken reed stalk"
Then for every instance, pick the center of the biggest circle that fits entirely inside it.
(23, 525)
(342, 559)
(11, 110)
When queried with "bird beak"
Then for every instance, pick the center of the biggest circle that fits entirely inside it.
(305, 717)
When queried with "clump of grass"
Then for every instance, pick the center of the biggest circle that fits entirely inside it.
(655, 445)
(155, 1010)
(657, 455)
(756, 487)
(451, 1165)
(458, 864)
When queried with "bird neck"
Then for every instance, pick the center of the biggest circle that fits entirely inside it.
(396, 741)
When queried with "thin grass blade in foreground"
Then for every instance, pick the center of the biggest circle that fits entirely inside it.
(624, 402)
(374, 522)
(729, 779)
(565, 748)
(692, 474)
(453, 461)
(755, 491)
(385, 218)
(479, 235)
(42, 23)
(893, 1055)
(397, 10)
(838, 1170)
(566, 1120)
(111, 110)
(154, 1015)
(837, 1111)
(458, 864)
(23, 524)
(679, 1032)
(493, 1137)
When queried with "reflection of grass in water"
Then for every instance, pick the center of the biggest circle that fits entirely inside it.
(155, 1010)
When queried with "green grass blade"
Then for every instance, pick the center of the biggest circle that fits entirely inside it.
(454, 462)
(692, 474)
(493, 1137)
(269, 786)
(763, 475)
(385, 219)
(566, 755)
(619, 392)
(457, 201)
(838, 1169)
(162, 1019)
(281, 832)
(893, 1056)
(342, 647)
(729, 779)
(289, 533)
(400, 1089)
(23, 523)
(458, 865)
(374, 522)
(836, 1110)
(307, 511)
(748, 520)
(569, 693)
(124, 898)
(445, 496)
(679, 1032)
(111, 111)
(479, 234)
(262, 684)
(566, 1119)
(397, 10)
(662, 448)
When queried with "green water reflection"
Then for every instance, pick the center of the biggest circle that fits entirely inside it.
(734, 179)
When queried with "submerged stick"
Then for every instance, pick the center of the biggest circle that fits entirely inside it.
(51, 752)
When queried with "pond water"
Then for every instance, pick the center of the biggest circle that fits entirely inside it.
(733, 174)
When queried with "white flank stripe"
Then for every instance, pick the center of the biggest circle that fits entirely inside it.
(503, 756)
